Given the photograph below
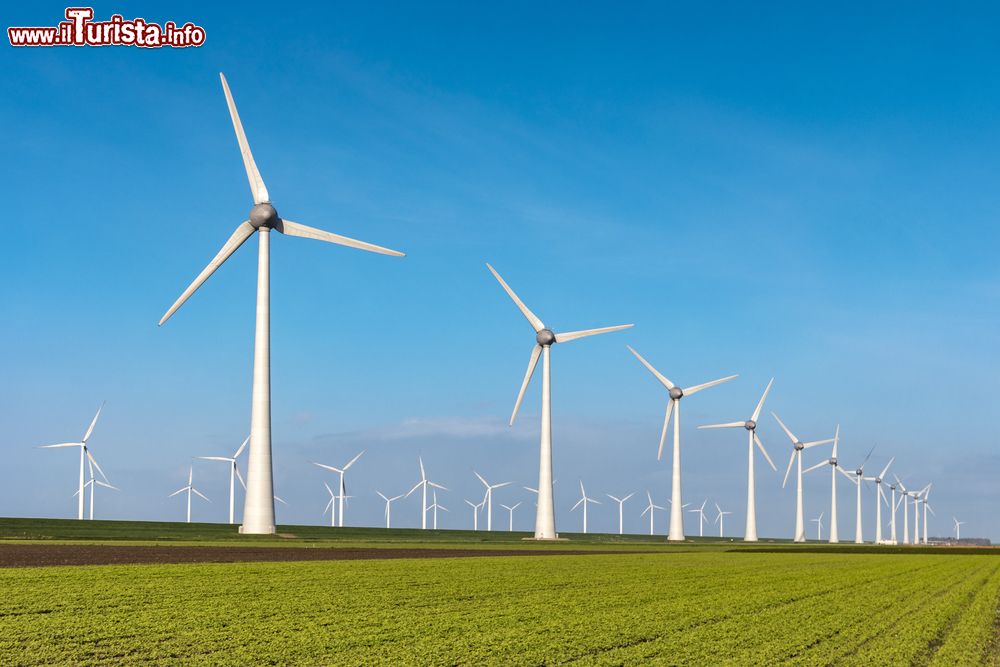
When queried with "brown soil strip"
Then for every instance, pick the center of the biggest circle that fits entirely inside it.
(42, 555)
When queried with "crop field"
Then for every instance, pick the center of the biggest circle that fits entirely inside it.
(672, 606)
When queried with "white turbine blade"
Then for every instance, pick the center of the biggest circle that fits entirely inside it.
(329, 504)
(536, 323)
(788, 470)
(726, 425)
(816, 467)
(886, 468)
(760, 446)
(382, 496)
(705, 385)
(253, 175)
(628, 496)
(242, 233)
(481, 479)
(93, 423)
(646, 511)
(577, 504)
(199, 494)
(881, 494)
(816, 443)
(868, 457)
(437, 486)
(242, 447)
(657, 374)
(182, 490)
(423, 475)
(650, 497)
(617, 500)
(573, 335)
(329, 490)
(353, 461)
(93, 462)
(788, 432)
(280, 500)
(532, 362)
(62, 444)
(760, 403)
(836, 440)
(214, 458)
(326, 467)
(105, 485)
(419, 484)
(240, 477)
(528, 488)
(666, 424)
(931, 510)
(501, 485)
(290, 228)
(396, 497)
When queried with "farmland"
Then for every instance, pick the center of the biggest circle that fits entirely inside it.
(677, 605)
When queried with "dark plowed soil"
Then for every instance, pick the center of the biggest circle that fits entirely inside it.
(39, 555)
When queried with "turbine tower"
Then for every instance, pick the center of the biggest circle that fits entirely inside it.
(190, 489)
(423, 484)
(621, 511)
(651, 509)
(893, 505)
(93, 482)
(719, 518)
(545, 517)
(751, 427)
(927, 508)
(674, 407)
(343, 488)
(879, 496)
(258, 509)
(83, 454)
(488, 498)
(583, 501)
(903, 495)
(858, 474)
(388, 507)
(797, 447)
(234, 472)
(834, 467)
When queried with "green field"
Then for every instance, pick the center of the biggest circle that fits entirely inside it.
(697, 604)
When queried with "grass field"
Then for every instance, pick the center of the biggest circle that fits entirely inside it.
(700, 604)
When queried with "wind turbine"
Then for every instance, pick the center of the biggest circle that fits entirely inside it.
(651, 509)
(423, 484)
(879, 495)
(583, 501)
(510, 523)
(903, 495)
(258, 510)
(83, 453)
(93, 482)
(719, 518)
(488, 498)
(797, 447)
(700, 511)
(331, 506)
(545, 517)
(927, 508)
(819, 526)
(388, 507)
(190, 489)
(234, 472)
(958, 529)
(674, 407)
(751, 427)
(437, 507)
(834, 467)
(475, 513)
(892, 521)
(343, 487)
(621, 513)
(916, 515)
(856, 478)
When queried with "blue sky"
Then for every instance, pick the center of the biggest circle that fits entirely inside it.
(770, 192)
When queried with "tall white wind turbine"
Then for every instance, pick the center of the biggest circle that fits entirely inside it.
(234, 472)
(510, 519)
(958, 529)
(190, 489)
(423, 484)
(916, 515)
(621, 512)
(751, 427)
(583, 501)
(819, 526)
(343, 487)
(701, 518)
(388, 507)
(879, 499)
(927, 508)
(651, 510)
(834, 467)
(476, 507)
(674, 408)
(83, 455)
(93, 482)
(720, 519)
(258, 510)
(893, 506)
(856, 477)
(488, 498)
(545, 517)
(797, 448)
(903, 495)
(435, 506)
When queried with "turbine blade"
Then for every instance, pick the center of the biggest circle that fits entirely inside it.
(886, 468)
(93, 423)
(666, 423)
(657, 374)
(280, 500)
(816, 443)
(240, 477)
(760, 446)
(532, 362)
(177, 491)
(353, 461)
(788, 469)
(727, 425)
(62, 444)
(791, 436)
(290, 228)
(577, 504)
(438, 486)
(214, 458)
(199, 494)
(105, 485)
(760, 403)
(816, 467)
(836, 440)
(530, 316)
(93, 461)
(326, 467)
(253, 175)
(242, 233)
(382, 496)
(573, 335)
(705, 385)
(485, 483)
(242, 447)
(328, 489)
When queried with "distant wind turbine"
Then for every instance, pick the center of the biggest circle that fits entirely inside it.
(651, 510)
(700, 511)
(190, 489)
(674, 407)
(751, 428)
(488, 498)
(797, 448)
(93, 482)
(720, 519)
(423, 484)
(234, 472)
(343, 488)
(388, 507)
(545, 517)
(819, 526)
(903, 495)
(475, 513)
(834, 467)
(856, 477)
(510, 520)
(927, 508)
(958, 529)
(621, 512)
(331, 505)
(879, 499)
(435, 506)
(83, 454)
(583, 501)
